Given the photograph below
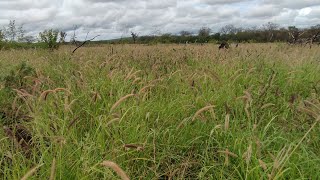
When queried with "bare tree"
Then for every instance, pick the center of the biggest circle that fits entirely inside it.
(315, 37)
(271, 28)
(295, 34)
(297, 37)
(73, 38)
(315, 30)
(156, 31)
(29, 39)
(134, 36)
(62, 38)
(12, 31)
(229, 29)
(185, 33)
(20, 34)
(204, 32)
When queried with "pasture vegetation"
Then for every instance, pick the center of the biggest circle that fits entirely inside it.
(161, 112)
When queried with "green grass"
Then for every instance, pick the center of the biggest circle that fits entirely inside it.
(271, 93)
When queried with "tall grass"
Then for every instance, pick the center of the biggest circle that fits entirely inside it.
(161, 112)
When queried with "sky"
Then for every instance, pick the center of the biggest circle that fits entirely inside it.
(117, 18)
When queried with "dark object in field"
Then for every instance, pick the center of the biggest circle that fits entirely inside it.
(20, 136)
(134, 37)
(224, 45)
(293, 98)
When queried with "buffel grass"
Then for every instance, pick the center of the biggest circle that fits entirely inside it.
(161, 112)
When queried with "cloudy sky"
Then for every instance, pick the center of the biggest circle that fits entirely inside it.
(116, 18)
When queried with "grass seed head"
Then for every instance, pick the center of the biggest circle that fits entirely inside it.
(31, 172)
(116, 168)
(115, 105)
(202, 110)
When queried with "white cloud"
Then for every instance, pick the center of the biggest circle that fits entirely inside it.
(305, 11)
(293, 4)
(115, 18)
(263, 11)
(223, 2)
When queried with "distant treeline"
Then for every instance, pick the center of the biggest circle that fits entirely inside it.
(13, 36)
(268, 33)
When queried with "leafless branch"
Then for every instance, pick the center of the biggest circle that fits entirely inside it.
(86, 36)
(84, 42)
(300, 34)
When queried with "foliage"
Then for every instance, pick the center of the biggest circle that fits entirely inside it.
(2, 36)
(269, 32)
(21, 45)
(50, 38)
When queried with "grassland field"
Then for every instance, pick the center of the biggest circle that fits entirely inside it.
(160, 112)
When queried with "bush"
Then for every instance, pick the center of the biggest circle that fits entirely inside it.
(16, 45)
(50, 38)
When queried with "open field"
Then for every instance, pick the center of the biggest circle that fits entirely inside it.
(161, 112)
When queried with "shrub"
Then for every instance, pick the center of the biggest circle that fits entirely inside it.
(50, 38)
(19, 45)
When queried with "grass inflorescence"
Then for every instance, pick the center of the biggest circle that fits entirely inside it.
(161, 112)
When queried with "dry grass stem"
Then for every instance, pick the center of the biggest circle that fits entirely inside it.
(116, 168)
(115, 105)
(247, 155)
(45, 94)
(31, 172)
(227, 122)
(227, 152)
(133, 146)
(308, 111)
(145, 88)
(202, 110)
(112, 121)
(265, 106)
(263, 165)
(53, 169)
